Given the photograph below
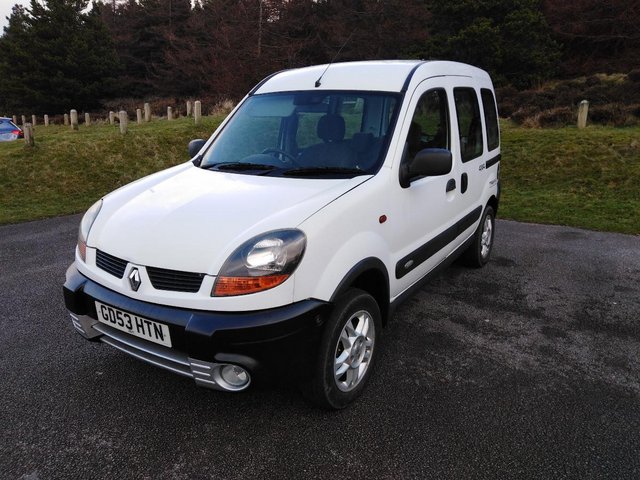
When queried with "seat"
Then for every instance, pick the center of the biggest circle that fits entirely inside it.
(333, 152)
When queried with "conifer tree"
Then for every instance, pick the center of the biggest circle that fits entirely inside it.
(56, 57)
(509, 38)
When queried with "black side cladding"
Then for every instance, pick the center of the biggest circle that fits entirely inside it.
(426, 251)
(492, 161)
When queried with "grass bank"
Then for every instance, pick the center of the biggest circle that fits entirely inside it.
(69, 170)
(585, 178)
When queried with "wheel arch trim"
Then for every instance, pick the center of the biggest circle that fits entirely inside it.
(362, 267)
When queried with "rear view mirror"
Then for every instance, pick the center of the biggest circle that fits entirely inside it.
(195, 146)
(429, 162)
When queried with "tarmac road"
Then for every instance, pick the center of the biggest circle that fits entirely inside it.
(528, 368)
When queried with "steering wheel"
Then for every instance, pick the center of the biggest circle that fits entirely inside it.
(285, 155)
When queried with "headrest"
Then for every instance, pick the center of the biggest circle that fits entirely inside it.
(331, 128)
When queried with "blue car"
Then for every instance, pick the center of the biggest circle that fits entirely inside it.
(9, 130)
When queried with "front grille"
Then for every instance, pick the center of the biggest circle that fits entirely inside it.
(113, 265)
(175, 280)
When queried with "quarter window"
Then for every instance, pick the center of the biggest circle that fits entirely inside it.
(490, 118)
(469, 123)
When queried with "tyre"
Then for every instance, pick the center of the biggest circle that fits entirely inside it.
(478, 253)
(347, 352)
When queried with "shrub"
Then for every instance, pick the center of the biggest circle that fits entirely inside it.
(223, 107)
(610, 114)
(613, 98)
(634, 75)
(556, 117)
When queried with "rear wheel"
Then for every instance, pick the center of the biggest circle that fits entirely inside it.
(478, 253)
(347, 351)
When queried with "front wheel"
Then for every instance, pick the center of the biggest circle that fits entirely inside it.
(477, 255)
(347, 351)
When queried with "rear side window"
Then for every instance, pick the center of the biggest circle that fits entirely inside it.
(469, 123)
(490, 118)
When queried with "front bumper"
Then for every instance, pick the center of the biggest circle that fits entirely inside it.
(272, 345)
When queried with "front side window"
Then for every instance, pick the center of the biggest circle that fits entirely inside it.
(469, 123)
(430, 123)
(306, 133)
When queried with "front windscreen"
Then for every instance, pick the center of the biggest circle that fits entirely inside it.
(319, 134)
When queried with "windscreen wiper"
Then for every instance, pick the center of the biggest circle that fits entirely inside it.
(239, 166)
(313, 171)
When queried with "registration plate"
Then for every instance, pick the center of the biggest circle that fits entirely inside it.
(138, 326)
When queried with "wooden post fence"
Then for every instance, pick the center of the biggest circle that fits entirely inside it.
(24, 120)
(147, 112)
(583, 112)
(124, 121)
(15, 119)
(188, 108)
(74, 120)
(197, 112)
(27, 129)
(33, 120)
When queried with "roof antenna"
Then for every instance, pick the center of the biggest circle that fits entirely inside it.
(333, 60)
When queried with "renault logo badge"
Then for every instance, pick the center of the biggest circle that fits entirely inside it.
(134, 279)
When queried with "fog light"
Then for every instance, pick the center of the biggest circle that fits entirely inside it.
(235, 376)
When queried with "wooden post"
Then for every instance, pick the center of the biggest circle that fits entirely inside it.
(74, 120)
(15, 119)
(24, 120)
(583, 112)
(188, 108)
(87, 119)
(46, 120)
(138, 116)
(197, 112)
(124, 121)
(33, 120)
(112, 118)
(27, 129)
(147, 112)
(66, 119)
(169, 113)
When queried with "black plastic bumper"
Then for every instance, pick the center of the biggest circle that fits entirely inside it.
(276, 343)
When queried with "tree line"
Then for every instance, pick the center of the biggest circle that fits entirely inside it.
(58, 53)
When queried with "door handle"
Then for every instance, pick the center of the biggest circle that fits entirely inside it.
(451, 185)
(464, 183)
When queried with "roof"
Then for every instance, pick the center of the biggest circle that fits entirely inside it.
(378, 75)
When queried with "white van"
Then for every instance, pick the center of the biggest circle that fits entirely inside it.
(279, 252)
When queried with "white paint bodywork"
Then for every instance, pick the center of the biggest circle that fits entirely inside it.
(190, 219)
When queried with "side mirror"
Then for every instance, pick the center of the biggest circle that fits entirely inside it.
(430, 162)
(195, 146)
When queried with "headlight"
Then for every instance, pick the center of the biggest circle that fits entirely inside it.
(85, 226)
(261, 263)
